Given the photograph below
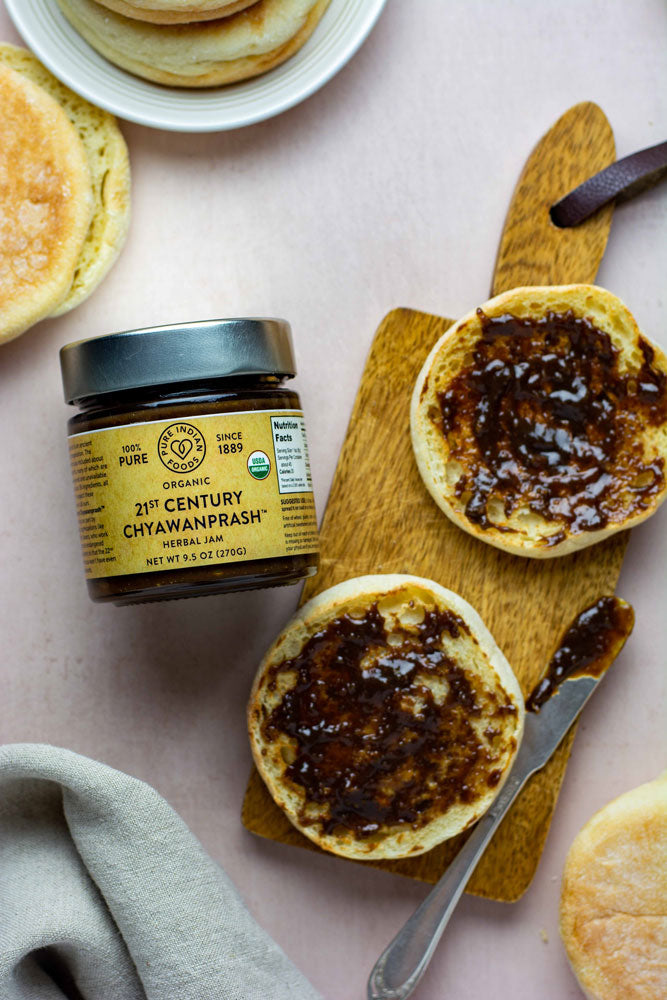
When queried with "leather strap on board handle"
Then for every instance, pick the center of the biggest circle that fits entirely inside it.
(622, 180)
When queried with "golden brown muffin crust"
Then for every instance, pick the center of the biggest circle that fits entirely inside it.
(109, 169)
(45, 203)
(613, 916)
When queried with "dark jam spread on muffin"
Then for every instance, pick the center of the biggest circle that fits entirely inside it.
(544, 418)
(386, 729)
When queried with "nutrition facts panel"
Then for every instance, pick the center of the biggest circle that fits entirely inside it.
(291, 451)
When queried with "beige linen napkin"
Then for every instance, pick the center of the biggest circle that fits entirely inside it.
(106, 895)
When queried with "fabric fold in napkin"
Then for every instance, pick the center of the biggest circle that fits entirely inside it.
(105, 894)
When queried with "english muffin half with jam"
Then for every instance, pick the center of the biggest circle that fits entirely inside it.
(384, 719)
(539, 421)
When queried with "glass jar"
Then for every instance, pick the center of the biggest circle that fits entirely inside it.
(189, 460)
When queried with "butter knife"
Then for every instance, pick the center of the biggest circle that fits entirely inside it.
(587, 649)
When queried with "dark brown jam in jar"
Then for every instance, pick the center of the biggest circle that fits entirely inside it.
(546, 418)
(190, 462)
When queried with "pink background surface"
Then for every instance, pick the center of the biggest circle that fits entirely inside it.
(387, 188)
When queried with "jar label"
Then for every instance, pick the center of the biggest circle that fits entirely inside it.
(172, 494)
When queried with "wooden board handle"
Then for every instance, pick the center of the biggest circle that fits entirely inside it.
(526, 603)
(534, 251)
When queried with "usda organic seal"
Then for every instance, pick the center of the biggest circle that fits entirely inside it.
(259, 465)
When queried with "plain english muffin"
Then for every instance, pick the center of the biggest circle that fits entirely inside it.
(203, 54)
(384, 719)
(46, 203)
(539, 420)
(613, 913)
(175, 11)
(109, 169)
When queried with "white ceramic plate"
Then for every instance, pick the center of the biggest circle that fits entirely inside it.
(344, 27)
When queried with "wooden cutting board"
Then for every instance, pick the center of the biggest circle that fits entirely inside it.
(380, 519)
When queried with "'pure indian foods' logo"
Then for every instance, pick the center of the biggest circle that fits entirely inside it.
(181, 447)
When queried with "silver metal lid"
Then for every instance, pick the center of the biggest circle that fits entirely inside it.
(184, 352)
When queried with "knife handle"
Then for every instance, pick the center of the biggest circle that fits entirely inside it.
(403, 963)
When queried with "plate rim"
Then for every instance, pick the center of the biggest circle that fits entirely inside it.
(220, 119)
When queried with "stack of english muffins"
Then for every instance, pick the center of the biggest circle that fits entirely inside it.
(64, 194)
(195, 43)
